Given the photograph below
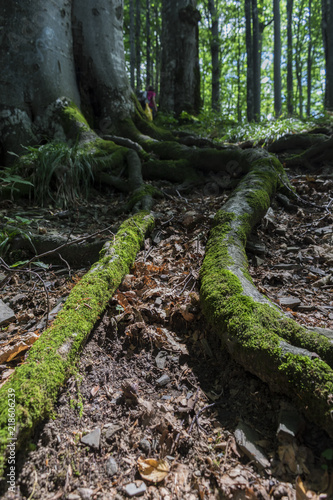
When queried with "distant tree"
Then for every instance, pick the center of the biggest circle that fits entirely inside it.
(277, 58)
(327, 30)
(309, 59)
(256, 61)
(249, 53)
(252, 35)
(138, 43)
(215, 53)
(290, 107)
(180, 74)
(148, 45)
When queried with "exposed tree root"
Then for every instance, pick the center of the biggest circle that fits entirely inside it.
(51, 359)
(289, 358)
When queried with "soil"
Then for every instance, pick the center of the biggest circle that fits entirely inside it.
(156, 407)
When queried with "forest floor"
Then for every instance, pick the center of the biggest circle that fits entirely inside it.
(156, 408)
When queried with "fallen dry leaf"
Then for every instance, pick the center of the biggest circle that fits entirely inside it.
(153, 470)
(302, 493)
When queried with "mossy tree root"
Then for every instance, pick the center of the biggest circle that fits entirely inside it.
(320, 151)
(289, 358)
(52, 358)
(296, 141)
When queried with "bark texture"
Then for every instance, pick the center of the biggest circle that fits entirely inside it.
(38, 380)
(255, 332)
(180, 79)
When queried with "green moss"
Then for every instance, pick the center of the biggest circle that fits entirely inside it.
(146, 190)
(36, 383)
(254, 331)
(73, 121)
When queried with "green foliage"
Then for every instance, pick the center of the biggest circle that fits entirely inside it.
(267, 131)
(61, 173)
(9, 179)
(14, 226)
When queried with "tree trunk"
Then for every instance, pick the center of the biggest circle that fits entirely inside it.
(215, 53)
(180, 78)
(290, 107)
(37, 63)
(309, 60)
(249, 52)
(138, 43)
(256, 62)
(277, 59)
(100, 60)
(132, 43)
(327, 29)
(148, 44)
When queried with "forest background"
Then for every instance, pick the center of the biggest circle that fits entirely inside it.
(258, 59)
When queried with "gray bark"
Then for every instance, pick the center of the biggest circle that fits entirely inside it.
(215, 52)
(99, 57)
(327, 29)
(256, 61)
(37, 65)
(290, 107)
(277, 59)
(249, 52)
(180, 81)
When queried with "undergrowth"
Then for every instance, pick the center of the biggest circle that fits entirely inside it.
(61, 174)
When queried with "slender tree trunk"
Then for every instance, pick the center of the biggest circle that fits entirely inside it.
(148, 42)
(249, 52)
(298, 59)
(132, 43)
(215, 53)
(290, 92)
(138, 43)
(327, 29)
(309, 61)
(157, 49)
(256, 62)
(277, 58)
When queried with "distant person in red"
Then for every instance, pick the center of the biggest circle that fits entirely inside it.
(151, 94)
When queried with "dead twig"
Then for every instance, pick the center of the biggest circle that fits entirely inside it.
(196, 419)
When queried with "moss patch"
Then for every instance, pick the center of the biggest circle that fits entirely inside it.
(252, 330)
(37, 382)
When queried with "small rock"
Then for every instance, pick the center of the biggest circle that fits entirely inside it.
(6, 313)
(85, 493)
(111, 467)
(144, 445)
(164, 380)
(92, 439)
(158, 301)
(291, 302)
(135, 489)
(161, 359)
(246, 439)
(21, 297)
(290, 423)
(74, 496)
(110, 431)
(281, 230)
(287, 267)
